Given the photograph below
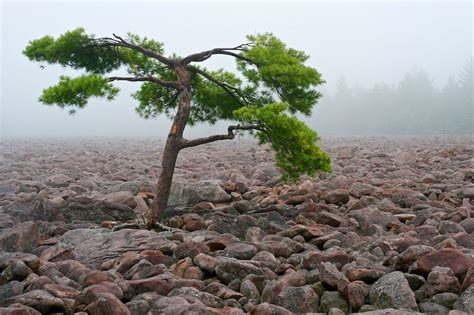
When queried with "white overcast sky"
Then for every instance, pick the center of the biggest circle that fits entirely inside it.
(366, 42)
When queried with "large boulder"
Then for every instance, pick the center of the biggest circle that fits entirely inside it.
(205, 190)
(446, 257)
(121, 197)
(92, 247)
(40, 300)
(392, 291)
(368, 216)
(299, 299)
(23, 237)
(264, 172)
(90, 210)
(32, 209)
(228, 269)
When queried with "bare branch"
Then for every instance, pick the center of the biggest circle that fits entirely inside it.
(120, 42)
(229, 136)
(167, 84)
(204, 55)
(229, 53)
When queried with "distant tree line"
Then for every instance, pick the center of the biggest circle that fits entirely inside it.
(413, 106)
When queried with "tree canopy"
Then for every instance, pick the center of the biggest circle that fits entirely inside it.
(272, 86)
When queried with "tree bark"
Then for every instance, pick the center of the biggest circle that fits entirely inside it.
(172, 147)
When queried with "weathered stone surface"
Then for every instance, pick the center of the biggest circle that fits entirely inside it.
(32, 209)
(389, 206)
(161, 284)
(193, 294)
(299, 299)
(392, 291)
(205, 262)
(40, 300)
(337, 197)
(241, 251)
(330, 276)
(250, 290)
(94, 292)
(93, 247)
(87, 209)
(23, 237)
(222, 291)
(121, 197)
(10, 289)
(412, 253)
(107, 304)
(312, 259)
(440, 280)
(465, 302)
(368, 216)
(356, 293)
(190, 249)
(333, 299)
(269, 309)
(446, 257)
(206, 190)
(18, 309)
(227, 269)
(178, 305)
(61, 290)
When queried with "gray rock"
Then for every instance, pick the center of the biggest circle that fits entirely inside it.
(242, 251)
(90, 210)
(432, 308)
(446, 299)
(228, 269)
(23, 237)
(32, 209)
(465, 302)
(92, 247)
(367, 216)
(299, 299)
(6, 189)
(10, 289)
(194, 294)
(330, 276)
(446, 227)
(392, 291)
(331, 299)
(59, 180)
(121, 197)
(264, 172)
(7, 220)
(206, 190)
(40, 300)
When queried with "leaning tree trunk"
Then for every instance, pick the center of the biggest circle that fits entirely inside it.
(172, 147)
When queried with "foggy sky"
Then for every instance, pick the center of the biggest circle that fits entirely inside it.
(365, 42)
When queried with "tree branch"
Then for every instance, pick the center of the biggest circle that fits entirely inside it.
(232, 91)
(204, 55)
(168, 84)
(229, 136)
(120, 42)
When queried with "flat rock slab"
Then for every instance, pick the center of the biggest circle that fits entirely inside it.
(92, 247)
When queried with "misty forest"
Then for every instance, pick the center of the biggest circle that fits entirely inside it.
(260, 166)
(414, 105)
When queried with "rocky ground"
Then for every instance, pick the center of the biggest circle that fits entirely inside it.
(391, 231)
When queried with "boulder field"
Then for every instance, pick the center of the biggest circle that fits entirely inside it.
(390, 231)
